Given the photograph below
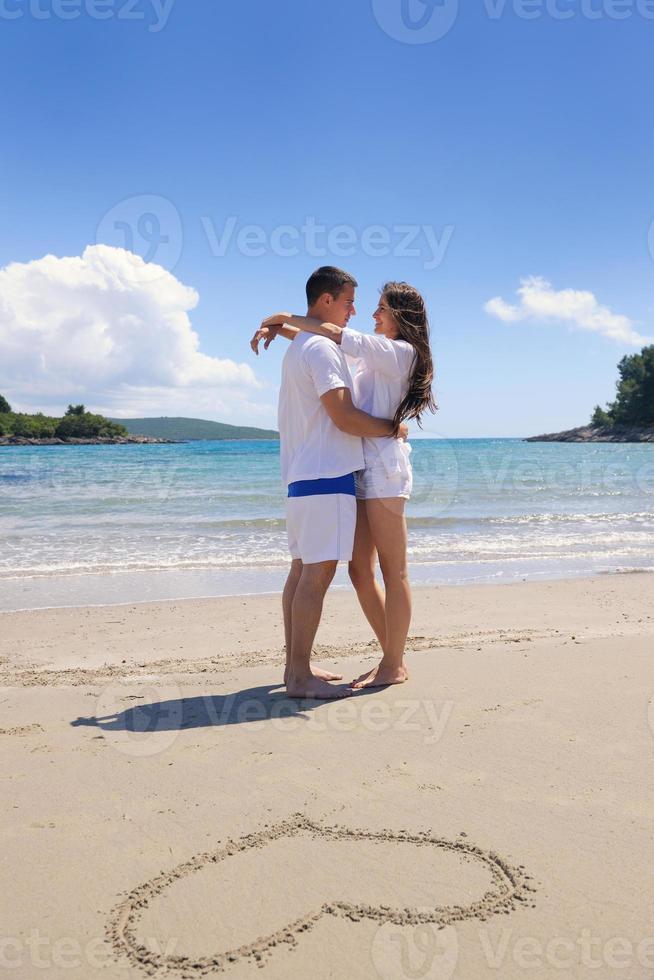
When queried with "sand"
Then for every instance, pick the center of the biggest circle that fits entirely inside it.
(166, 811)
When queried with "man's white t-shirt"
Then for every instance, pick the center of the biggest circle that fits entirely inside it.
(382, 373)
(311, 447)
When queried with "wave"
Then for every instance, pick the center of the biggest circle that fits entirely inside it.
(461, 552)
(539, 520)
(172, 524)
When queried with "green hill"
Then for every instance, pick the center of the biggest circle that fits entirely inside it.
(181, 428)
(77, 423)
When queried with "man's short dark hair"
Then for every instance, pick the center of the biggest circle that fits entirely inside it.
(328, 279)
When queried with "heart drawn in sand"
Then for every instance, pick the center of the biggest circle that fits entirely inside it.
(311, 891)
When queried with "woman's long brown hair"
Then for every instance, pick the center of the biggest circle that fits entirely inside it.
(408, 309)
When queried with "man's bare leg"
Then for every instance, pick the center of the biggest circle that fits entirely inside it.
(287, 606)
(306, 610)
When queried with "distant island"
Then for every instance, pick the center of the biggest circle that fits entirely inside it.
(630, 418)
(79, 427)
(76, 427)
(598, 433)
(190, 429)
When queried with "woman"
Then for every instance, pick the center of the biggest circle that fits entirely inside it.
(393, 379)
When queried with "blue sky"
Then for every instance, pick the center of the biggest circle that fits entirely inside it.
(523, 145)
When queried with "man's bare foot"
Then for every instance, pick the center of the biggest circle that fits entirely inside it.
(381, 676)
(314, 687)
(322, 675)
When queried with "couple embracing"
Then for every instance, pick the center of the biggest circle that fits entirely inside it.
(346, 463)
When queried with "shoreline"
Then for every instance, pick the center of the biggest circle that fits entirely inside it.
(104, 589)
(341, 588)
(7, 441)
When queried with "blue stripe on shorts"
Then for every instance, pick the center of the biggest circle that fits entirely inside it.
(313, 488)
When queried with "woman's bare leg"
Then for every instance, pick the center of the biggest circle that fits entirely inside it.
(362, 575)
(388, 531)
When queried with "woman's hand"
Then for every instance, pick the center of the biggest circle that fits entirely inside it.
(267, 334)
(277, 320)
(403, 432)
(274, 326)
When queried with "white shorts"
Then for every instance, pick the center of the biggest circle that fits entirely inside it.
(321, 527)
(374, 483)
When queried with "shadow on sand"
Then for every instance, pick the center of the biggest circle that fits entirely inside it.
(268, 702)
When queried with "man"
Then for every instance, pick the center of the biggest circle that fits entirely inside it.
(320, 434)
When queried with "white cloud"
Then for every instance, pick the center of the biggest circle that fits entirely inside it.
(539, 301)
(108, 329)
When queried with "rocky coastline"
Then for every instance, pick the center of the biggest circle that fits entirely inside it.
(107, 441)
(599, 433)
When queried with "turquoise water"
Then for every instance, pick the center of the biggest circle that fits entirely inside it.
(116, 523)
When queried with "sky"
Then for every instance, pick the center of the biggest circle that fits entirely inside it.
(173, 172)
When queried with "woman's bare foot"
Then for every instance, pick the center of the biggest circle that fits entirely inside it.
(314, 687)
(322, 675)
(381, 676)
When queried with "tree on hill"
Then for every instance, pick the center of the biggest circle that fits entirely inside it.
(85, 425)
(600, 417)
(634, 403)
(5, 407)
(37, 426)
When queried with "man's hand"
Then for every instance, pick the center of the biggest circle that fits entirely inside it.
(347, 418)
(267, 334)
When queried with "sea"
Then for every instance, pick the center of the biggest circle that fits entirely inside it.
(89, 525)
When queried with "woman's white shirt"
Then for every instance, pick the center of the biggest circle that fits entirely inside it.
(382, 369)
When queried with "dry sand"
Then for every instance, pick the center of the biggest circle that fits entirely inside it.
(167, 810)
